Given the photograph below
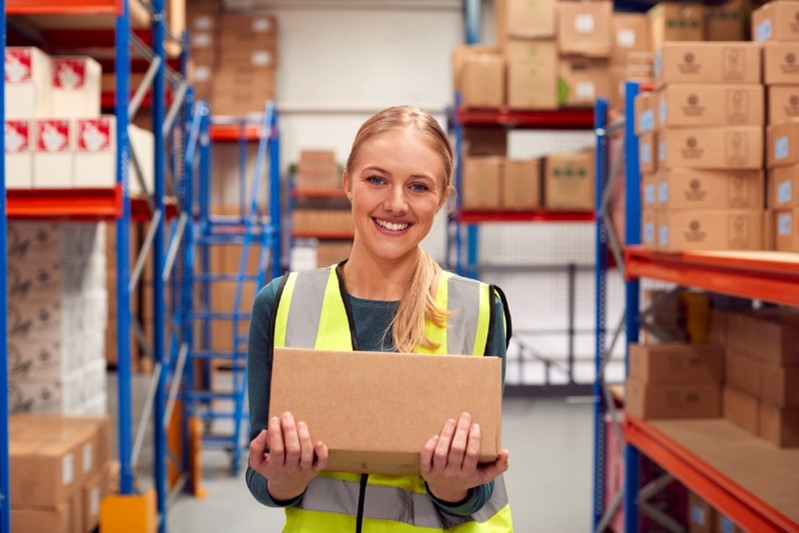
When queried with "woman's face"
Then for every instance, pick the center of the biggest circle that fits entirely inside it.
(396, 188)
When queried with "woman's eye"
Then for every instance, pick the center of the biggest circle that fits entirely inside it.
(419, 187)
(375, 179)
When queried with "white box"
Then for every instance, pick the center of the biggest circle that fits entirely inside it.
(53, 158)
(37, 320)
(40, 281)
(76, 87)
(51, 396)
(97, 406)
(19, 154)
(28, 75)
(33, 241)
(94, 382)
(45, 358)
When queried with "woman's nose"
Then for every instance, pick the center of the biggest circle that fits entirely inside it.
(395, 200)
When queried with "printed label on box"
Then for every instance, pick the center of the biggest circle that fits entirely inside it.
(764, 31)
(17, 136)
(649, 194)
(69, 73)
(202, 73)
(697, 515)
(784, 192)
(67, 469)
(649, 232)
(663, 192)
(52, 135)
(201, 40)
(203, 23)
(662, 151)
(18, 65)
(646, 153)
(736, 149)
(94, 502)
(781, 148)
(734, 64)
(584, 23)
(663, 238)
(585, 90)
(784, 222)
(87, 457)
(94, 135)
(261, 58)
(646, 122)
(662, 111)
(625, 38)
(262, 25)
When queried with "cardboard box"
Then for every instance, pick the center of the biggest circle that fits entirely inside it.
(779, 63)
(645, 112)
(76, 87)
(62, 518)
(483, 81)
(481, 182)
(676, 363)
(528, 19)
(688, 188)
(783, 103)
(19, 154)
(786, 230)
(711, 105)
(380, 409)
(332, 252)
(652, 401)
(93, 491)
(725, 525)
(317, 156)
(322, 221)
(776, 21)
(725, 22)
(242, 93)
(630, 34)
(521, 184)
(532, 80)
(461, 54)
(680, 231)
(649, 229)
(779, 386)
(581, 80)
(779, 426)
(741, 409)
(585, 28)
(782, 142)
(783, 187)
(247, 31)
(569, 181)
(647, 153)
(772, 338)
(649, 183)
(53, 158)
(312, 175)
(744, 372)
(701, 515)
(485, 141)
(28, 83)
(704, 62)
(675, 22)
(730, 147)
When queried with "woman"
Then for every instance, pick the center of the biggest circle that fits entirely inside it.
(386, 297)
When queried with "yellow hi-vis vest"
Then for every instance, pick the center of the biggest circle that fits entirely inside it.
(312, 313)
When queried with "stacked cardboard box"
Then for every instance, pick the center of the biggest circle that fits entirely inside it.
(56, 318)
(60, 472)
(569, 181)
(701, 148)
(204, 29)
(632, 58)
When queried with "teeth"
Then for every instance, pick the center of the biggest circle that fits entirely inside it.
(391, 226)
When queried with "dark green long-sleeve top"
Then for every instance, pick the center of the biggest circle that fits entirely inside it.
(371, 318)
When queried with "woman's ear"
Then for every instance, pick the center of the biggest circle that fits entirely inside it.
(345, 184)
(445, 197)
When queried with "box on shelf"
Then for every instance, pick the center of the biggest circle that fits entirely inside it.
(705, 62)
(482, 81)
(744, 372)
(725, 22)
(649, 228)
(708, 230)
(630, 34)
(688, 188)
(43, 358)
(647, 152)
(485, 141)
(676, 363)
(366, 395)
(76, 87)
(741, 409)
(779, 385)
(645, 112)
(783, 187)
(701, 515)
(19, 145)
(247, 31)
(61, 518)
(242, 92)
(776, 21)
(768, 336)
(524, 19)
(318, 175)
(675, 22)
(317, 156)
(461, 54)
(53, 158)
(569, 181)
(658, 400)
(649, 183)
(782, 144)
(331, 252)
(711, 105)
(28, 83)
(783, 103)
(786, 230)
(779, 426)
(322, 221)
(582, 80)
(482, 177)
(521, 184)
(585, 28)
(532, 74)
(730, 147)
(779, 63)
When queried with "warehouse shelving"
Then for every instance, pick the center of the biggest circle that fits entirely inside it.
(713, 458)
(97, 27)
(5, 482)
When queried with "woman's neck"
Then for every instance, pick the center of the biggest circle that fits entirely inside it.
(378, 280)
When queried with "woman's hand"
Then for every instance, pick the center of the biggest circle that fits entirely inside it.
(285, 455)
(449, 461)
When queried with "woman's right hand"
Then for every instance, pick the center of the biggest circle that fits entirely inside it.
(285, 455)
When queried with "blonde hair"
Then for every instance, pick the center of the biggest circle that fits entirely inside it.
(418, 305)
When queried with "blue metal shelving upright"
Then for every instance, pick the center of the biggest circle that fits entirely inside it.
(5, 506)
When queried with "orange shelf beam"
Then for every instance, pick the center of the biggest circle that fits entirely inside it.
(770, 276)
(99, 204)
(576, 118)
(735, 502)
(232, 132)
(71, 7)
(331, 235)
(469, 217)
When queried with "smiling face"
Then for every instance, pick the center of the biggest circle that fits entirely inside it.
(396, 185)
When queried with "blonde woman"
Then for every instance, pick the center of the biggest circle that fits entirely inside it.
(398, 176)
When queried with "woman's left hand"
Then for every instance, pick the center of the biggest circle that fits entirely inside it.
(449, 461)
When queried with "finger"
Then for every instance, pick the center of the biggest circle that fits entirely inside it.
(320, 450)
(290, 438)
(306, 446)
(426, 457)
(459, 441)
(257, 448)
(444, 441)
(277, 450)
(490, 471)
(472, 449)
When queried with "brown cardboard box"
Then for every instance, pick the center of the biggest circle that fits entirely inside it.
(694, 400)
(783, 103)
(779, 426)
(529, 18)
(649, 229)
(725, 525)
(501, 23)
(741, 409)
(782, 144)
(485, 141)
(786, 230)
(703, 62)
(649, 183)
(675, 22)
(461, 54)
(708, 230)
(532, 80)
(331, 252)
(317, 156)
(481, 182)
(585, 28)
(725, 22)
(701, 515)
(718, 326)
(581, 80)
(647, 153)
(312, 175)
(93, 491)
(744, 372)
(247, 29)
(711, 105)
(618, 78)
(247, 97)
(776, 21)
(521, 184)
(375, 411)
(770, 337)
(645, 112)
(780, 66)
(780, 385)
(730, 147)
(630, 34)
(61, 518)
(322, 221)
(676, 363)
(569, 181)
(483, 81)
(688, 188)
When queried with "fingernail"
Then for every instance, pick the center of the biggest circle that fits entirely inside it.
(287, 416)
(475, 427)
(301, 425)
(450, 423)
(275, 419)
